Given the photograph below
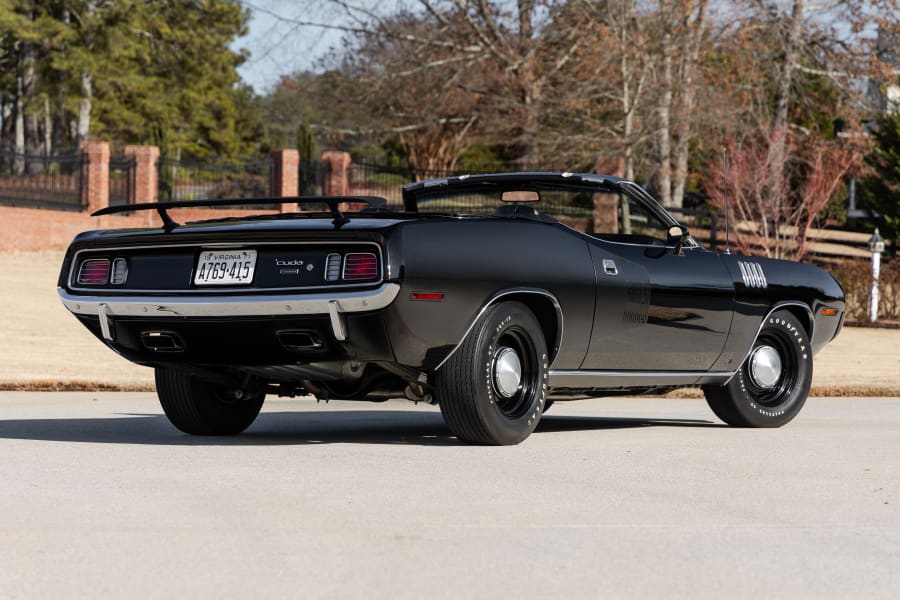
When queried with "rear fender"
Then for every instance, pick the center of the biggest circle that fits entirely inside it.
(542, 303)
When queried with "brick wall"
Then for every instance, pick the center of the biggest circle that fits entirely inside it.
(29, 229)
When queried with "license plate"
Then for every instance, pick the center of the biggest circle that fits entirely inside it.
(225, 267)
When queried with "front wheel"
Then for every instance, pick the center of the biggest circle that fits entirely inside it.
(199, 407)
(492, 390)
(772, 385)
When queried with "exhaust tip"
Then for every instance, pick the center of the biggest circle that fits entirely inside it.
(300, 341)
(162, 341)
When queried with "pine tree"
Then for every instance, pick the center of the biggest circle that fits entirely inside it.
(129, 71)
(881, 190)
(309, 150)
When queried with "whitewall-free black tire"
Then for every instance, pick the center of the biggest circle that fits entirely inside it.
(202, 408)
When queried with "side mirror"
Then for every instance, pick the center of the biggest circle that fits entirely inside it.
(677, 235)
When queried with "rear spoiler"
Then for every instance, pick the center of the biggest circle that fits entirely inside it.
(332, 202)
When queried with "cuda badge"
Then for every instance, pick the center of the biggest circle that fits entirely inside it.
(752, 274)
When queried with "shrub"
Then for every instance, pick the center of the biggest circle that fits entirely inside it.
(855, 276)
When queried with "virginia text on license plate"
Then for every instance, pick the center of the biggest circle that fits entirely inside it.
(225, 267)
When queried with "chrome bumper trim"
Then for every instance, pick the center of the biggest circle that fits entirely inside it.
(105, 329)
(337, 323)
(231, 306)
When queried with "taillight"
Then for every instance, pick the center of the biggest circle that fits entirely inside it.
(360, 265)
(119, 272)
(94, 271)
(333, 267)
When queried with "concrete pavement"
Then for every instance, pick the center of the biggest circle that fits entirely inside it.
(609, 498)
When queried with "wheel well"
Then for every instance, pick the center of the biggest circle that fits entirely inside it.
(802, 316)
(544, 308)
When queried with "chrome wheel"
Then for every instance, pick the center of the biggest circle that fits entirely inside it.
(770, 370)
(765, 367)
(507, 370)
(515, 375)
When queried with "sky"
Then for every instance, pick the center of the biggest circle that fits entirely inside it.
(279, 46)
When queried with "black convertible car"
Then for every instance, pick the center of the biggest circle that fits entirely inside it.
(492, 315)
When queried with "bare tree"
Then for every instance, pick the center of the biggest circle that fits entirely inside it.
(501, 56)
(779, 230)
(682, 30)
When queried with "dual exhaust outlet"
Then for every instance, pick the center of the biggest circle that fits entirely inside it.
(290, 340)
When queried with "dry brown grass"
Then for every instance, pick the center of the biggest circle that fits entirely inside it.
(847, 391)
(73, 386)
(823, 391)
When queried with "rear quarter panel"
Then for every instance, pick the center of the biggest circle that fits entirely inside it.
(471, 261)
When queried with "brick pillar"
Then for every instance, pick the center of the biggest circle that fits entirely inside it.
(337, 180)
(94, 175)
(606, 206)
(146, 174)
(606, 214)
(286, 176)
(614, 166)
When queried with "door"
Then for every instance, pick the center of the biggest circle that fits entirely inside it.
(656, 310)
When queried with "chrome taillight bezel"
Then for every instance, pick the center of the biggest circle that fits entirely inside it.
(370, 274)
(90, 264)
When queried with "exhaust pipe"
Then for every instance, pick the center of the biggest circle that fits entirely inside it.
(162, 341)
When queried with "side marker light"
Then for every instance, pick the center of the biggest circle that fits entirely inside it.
(426, 296)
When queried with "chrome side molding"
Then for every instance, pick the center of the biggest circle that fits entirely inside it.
(615, 379)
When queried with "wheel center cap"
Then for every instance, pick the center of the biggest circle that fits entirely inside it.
(507, 371)
(765, 366)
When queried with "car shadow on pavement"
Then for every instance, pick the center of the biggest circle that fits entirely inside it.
(297, 427)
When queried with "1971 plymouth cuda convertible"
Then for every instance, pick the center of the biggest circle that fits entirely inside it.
(492, 316)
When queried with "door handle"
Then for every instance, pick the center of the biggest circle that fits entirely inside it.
(609, 267)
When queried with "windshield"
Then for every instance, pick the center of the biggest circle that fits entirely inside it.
(570, 202)
(605, 213)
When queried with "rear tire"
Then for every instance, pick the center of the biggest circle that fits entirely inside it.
(202, 408)
(492, 390)
(759, 394)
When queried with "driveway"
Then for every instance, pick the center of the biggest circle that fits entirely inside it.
(610, 498)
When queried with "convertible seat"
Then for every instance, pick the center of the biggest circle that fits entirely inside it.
(522, 211)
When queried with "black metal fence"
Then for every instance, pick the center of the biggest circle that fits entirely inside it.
(197, 180)
(42, 181)
(387, 181)
(573, 209)
(311, 176)
(370, 179)
(122, 173)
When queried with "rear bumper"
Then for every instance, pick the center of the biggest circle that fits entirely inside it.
(271, 305)
(240, 329)
(333, 304)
